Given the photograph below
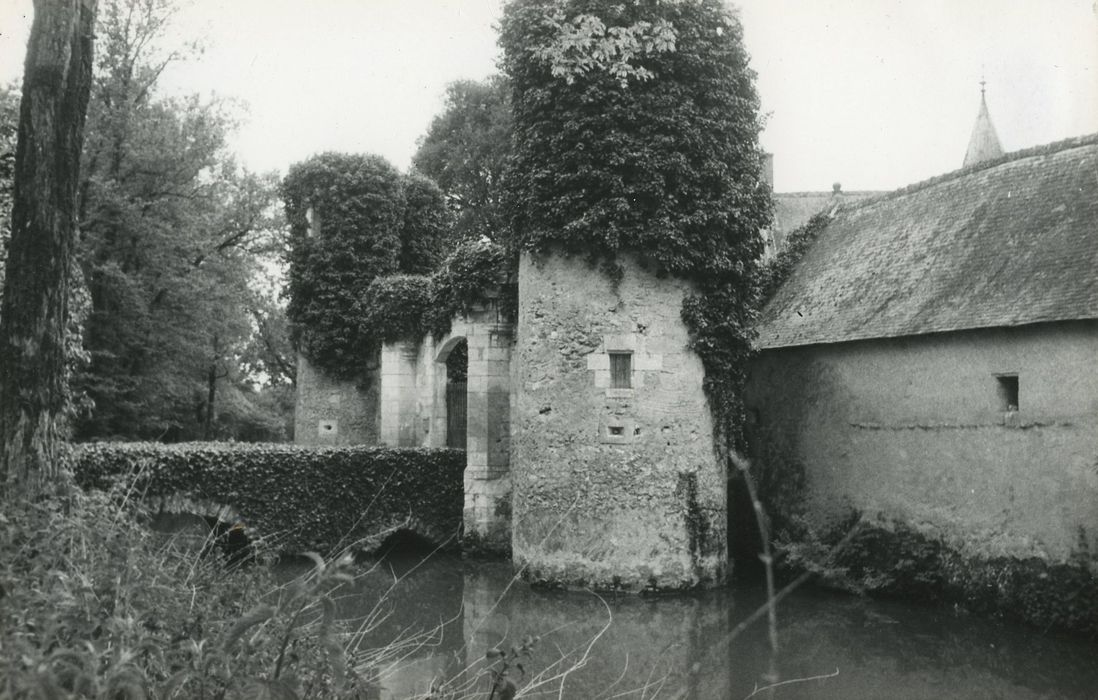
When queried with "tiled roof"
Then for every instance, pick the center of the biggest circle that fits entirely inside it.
(1007, 242)
(793, 209)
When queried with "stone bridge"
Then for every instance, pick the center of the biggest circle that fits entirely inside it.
(294, 498)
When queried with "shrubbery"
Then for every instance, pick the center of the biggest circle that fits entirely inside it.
(299, 498)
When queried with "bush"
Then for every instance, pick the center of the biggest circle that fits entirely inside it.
(301, 498)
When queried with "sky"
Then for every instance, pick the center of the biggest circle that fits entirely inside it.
(875, 94)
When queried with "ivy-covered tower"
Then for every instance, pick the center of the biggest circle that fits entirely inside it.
(636, 200)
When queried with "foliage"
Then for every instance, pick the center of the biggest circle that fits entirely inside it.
(175, 236)
(95, 604)
(636, 131)
(302, 498)
(583, 43)
(466, 151)
(357, 204)
(777, 270)
(475, 274)
(396, 308)
(425, 236)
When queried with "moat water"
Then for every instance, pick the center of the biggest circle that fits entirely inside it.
(687, 647)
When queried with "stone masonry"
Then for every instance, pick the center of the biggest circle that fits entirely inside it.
(614, 487)
(331, 411)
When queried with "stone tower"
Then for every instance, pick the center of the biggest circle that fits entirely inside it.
(984, 142)
(616, 484)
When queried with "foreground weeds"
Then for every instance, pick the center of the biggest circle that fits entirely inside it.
(94, 604)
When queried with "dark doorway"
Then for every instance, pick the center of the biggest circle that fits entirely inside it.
(457, 370)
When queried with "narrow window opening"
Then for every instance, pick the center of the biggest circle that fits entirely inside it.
(1008, 392)
(621, 370)
(617, 430)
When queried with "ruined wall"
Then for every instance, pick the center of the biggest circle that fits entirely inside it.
(413, 413)
(330, 411)
(917, 429)
(613, 487)
(399, 410)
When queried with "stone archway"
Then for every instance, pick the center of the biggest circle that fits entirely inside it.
(487, 510)
(451, 392)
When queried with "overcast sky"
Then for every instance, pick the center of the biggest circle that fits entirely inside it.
(873, 93)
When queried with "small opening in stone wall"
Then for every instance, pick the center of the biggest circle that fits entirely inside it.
(621, 370)
(616, 430)
(1008, 392)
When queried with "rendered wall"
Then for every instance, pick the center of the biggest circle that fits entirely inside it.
(615, 488)
(915, 429)
(330, 411)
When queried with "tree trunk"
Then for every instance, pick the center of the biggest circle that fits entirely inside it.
(33, 396)
(211, 394)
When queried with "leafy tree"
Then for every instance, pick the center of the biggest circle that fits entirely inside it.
(174, 235)
(636, 130)
(33, 391)
(466, 151)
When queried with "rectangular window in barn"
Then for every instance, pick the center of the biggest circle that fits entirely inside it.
(621, 370)
(1008, 392)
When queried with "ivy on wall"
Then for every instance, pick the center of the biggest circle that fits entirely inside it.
(778, 269)
(352, 219)
(408, 307)
(312, 499)
(636, 130)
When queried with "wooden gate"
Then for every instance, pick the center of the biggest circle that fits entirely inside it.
(455, 414)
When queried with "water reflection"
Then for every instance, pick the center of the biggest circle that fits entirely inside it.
(680, 647)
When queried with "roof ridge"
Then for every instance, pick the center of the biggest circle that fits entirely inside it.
(1031, 152)
(827, 193)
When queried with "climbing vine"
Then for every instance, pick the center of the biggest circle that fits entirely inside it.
(665, 166)
(777, 270)
(408, 307)
(353, 218)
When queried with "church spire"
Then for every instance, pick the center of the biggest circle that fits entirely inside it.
(984, 143)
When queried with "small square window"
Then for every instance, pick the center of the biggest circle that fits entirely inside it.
(621, 370)
(1008, 392)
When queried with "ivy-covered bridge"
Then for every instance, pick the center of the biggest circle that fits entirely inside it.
(298, 498)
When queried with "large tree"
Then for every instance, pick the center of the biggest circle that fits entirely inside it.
(56, 85)
(174, 236)
(467, 150)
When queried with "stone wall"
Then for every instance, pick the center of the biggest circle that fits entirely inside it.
(487, 512)
(613, 487)
(331, 411)
(918, 430)
(404, 405)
